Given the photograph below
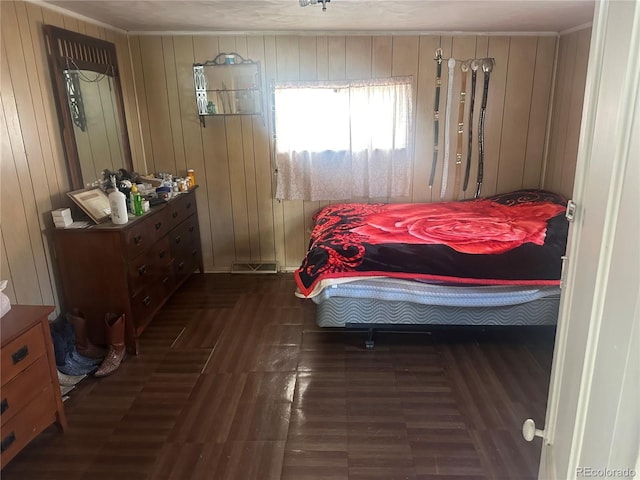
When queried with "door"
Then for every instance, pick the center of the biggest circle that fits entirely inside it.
(592, 427)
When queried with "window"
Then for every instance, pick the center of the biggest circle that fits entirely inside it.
(340, 140)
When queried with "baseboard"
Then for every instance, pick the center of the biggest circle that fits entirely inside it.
(266, 267)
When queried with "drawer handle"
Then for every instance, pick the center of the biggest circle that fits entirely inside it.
(180, 265)
(4, 406)
(174, 214)
(188, 205)
(178, 239)
(162, 254)
(194, 251)
(146, 301)
(165, 280)
(20, 354)
(7, 441)
(191, 228)
(158, 225)
(137, 239)
(142, 270)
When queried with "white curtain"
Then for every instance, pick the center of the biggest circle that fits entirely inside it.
(339, 140)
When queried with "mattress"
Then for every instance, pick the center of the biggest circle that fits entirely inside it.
(393, 289)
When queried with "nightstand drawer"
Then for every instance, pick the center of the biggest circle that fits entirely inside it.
(22, 389)
(29, 422)
(21, 352)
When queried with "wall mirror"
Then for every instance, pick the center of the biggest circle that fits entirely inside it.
(84, 72)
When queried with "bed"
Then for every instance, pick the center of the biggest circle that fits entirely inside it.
(489, 261)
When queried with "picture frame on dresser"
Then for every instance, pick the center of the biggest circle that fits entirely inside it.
(93, 201)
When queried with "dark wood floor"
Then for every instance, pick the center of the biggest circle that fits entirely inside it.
(235, 382)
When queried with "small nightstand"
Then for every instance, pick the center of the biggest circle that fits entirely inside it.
(30, 398)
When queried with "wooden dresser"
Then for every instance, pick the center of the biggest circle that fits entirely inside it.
(31, 399)
(131, 269)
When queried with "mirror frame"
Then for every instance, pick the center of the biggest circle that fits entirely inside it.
(87, 53)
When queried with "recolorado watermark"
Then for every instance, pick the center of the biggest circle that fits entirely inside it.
(592, 472)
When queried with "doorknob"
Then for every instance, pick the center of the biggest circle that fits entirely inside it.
(529, 430)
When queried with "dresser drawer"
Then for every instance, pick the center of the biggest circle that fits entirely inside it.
(180, 208)
(185, 247)
(25, 387)
(145, 233)
(149, 267)
(184, 236)
(146, 302)
(36, 416)
(21, 352)
(186, 263)
(183, 267)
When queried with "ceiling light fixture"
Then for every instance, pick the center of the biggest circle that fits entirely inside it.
(304, 3)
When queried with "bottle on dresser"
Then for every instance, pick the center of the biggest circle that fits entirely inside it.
(192, 177)
(117, 204)
(136, 200)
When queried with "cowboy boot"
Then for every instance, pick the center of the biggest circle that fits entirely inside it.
(69, 380)
(83, 344)
(117, 350)
(73, 367)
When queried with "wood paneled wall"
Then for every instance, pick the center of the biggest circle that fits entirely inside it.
(240, 220)
(34, 173)
(573, 56)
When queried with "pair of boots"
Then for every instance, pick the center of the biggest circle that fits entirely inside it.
(68, 360)
(114, 329)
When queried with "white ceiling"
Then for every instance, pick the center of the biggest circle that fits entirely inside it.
(340, 16)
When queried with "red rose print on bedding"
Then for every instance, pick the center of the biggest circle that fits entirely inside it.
(487, 228)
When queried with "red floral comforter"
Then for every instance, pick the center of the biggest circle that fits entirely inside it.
(516, 238)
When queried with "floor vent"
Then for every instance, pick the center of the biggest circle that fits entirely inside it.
(268, 267)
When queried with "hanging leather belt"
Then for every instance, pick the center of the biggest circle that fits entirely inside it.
(463, 93)
(436, 115)
(487, 67)
(467, 169)
(451, 65)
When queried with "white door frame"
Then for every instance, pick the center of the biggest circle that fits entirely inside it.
(610, 109)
